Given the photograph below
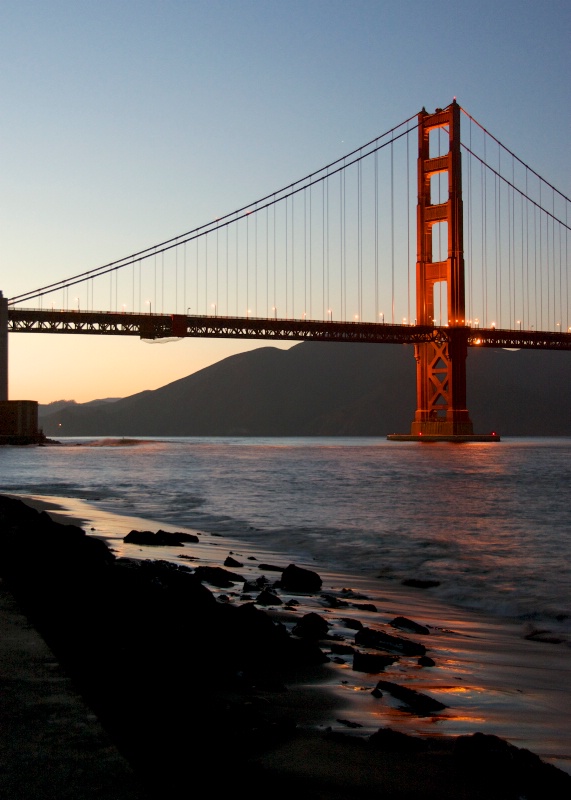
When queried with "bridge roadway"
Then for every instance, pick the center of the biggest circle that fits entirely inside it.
(161, 326)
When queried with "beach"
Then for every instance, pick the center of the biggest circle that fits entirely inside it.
(315, 721)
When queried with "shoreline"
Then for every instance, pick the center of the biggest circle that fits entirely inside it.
(490, 678)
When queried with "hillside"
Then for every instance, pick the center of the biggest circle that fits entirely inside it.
(330, 389)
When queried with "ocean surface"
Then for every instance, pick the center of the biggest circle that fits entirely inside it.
(490, 522)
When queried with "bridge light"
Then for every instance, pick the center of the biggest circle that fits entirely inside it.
(148, 303)
(123, 307)
(404, 320)
(274, 309)
(214, 307)
(330, 314)
(493, 325)
(382, 316)
(477, 321)
(518, 322)
(356, 318)
(77, 301)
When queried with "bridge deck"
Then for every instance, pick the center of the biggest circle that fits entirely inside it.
(160, 326)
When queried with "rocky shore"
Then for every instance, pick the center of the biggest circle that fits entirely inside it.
(200, 689)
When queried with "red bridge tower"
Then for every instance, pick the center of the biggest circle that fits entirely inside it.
(441, 411)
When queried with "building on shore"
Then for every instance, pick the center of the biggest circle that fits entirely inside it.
(19, 422)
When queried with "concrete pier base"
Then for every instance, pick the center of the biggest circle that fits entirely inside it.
(474, 437)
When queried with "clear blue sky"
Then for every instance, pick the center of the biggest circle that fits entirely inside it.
(127, 122)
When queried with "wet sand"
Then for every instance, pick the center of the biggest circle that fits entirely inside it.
(490, 678)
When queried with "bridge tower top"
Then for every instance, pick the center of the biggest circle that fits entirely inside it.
(429, 214)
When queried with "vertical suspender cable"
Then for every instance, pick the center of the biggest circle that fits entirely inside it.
(392, 237)
(292, 256)
(327, 241)
(376, 193)
(408, 267)
(305, 250)
(311, 251)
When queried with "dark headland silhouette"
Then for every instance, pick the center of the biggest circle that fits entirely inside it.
(328, 389)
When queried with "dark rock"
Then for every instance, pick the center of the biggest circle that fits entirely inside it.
(333, 602)
(371, 662)
(418, 583)
(365, 606)
(159, 539)
(311, 626)
(419, 703)
(367, 637)
(217, 576)
(182, 536)
(544, 636)
(405, 624)
(426, 661)
(267, 598)
(270, 567)
(298, 579)
(389, 741)
(353, 624)
(341, 649)
(231, 562)
(509, 771)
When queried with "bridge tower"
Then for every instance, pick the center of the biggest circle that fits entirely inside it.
(441, 365)
(3, 348)
(441, 413)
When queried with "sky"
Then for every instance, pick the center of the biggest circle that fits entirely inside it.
(127, 122)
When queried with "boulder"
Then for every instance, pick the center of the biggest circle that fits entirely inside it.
(267, 598)
(405, 624)
(311, 626)
(298, 579)
(378, 640)
(217, 576)
(160, 538)
(371, 662)
(420, 583)
(419, 703)
(389, 741)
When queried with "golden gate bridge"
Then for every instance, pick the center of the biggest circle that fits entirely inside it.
(421, 236)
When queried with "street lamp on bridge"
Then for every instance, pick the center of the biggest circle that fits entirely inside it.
(214, 307)
(148, 302)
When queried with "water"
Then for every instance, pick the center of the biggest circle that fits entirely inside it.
(490, 522)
